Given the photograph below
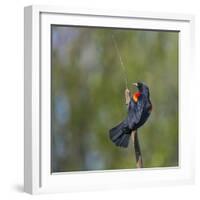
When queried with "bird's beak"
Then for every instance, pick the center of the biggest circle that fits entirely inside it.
(135, 84)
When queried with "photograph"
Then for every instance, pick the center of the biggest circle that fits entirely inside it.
(114, 98)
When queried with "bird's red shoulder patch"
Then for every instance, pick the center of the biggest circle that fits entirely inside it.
(136, 96)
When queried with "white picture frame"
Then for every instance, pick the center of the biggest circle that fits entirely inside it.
(37, 172)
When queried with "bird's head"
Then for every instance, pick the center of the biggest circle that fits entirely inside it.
(142, 88)
(139, 86)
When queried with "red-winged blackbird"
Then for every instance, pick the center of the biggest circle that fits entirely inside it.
(139, 109)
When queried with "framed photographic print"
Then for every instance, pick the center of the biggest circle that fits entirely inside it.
(107, 99)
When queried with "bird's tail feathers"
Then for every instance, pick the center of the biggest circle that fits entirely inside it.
(120, 134)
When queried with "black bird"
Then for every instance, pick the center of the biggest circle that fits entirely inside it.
(139, 109)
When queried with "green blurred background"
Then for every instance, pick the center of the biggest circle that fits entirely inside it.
(87, 96)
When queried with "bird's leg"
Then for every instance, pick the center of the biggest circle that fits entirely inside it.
(138, 155)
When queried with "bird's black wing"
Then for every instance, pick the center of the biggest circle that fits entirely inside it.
(135, 111)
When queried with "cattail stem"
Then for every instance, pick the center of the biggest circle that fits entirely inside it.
(134, 136)
(138, 154)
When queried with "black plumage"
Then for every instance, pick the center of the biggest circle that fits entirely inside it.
(138, 113)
